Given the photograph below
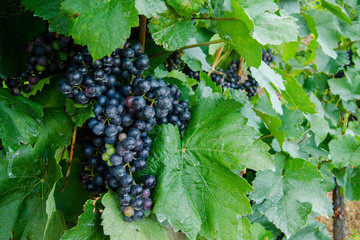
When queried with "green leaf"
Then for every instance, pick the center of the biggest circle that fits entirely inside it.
(50, 10)
(347, 88)
(270, 28)
(288, 195)
(326, 29)
(312, 231)
(271, 81)
(198, 54)
(329, 65)
(351, 31)
(186, 7)
(71, 200)
(337, 10)
(38, 87)
(79, 113)
(88, 28)
(344, 151)
(19, 119)
(273, 124)
(115, 226)
(295, 94)
(18, 27)
(150, 8)
(189, 171)
(291, 122)
(237, 35)
(320, 127)
(170, 31)
(183, 82)
(210, 83)
(89, 224)
(351, 183)
(260, 233)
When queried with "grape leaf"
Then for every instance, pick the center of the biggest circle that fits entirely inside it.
(347, 88)
(270, 28)
(18, 27)
(288, 195)
(210, 83)
(37, 87)
(271, 81)
(171, 32)
(150, 8)
(351, 31)
(50, 10)
(351, 183)
(24, 188)
(337, 10)
(198, 54)
(326, 29)
(312, 231)
(79, 113)
(260, 233)
(320, 127)
(237, 35)
(189, 171)
(115, 226)
(88, 28)
(19, 120)
(186, 7)
(291, 123)
(295, 94)
(71, 200)
(329, 65)
(344, 151)
(89, 224)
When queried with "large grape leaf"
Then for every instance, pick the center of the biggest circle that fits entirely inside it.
(18, 27)
(115, 226)
(349, 179)
(351, 31)
(271, 81)
(194, 175)
(345, 151)
(348, 88)
(170, 31)
(150, 8)
(19, 120)
(320, 127)
(89, 224)
(326, 64)
(28, 174)
(326, 29)
(186, 7)
(288, 195)
(101, 25)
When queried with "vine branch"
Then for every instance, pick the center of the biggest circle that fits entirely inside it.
(240, 66)
(187, 47)
(217, 19)
(142, 34)
(70, 159)
(217, 55)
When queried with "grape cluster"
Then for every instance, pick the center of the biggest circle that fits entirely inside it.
(190, 73)
(267, 57)
(250, 86)
(173, 62)
(86, 79)
(341, 73)
(229, 79)
(48, 55)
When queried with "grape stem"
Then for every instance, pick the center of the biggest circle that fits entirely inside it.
(70, 159)
(187, 47)
(240, 66)
(217, 55)
(142, 34)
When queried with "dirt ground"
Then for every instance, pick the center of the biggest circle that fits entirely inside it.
(352, 215)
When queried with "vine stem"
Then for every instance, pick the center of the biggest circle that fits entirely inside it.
(188, 47)
(339, 214)
(217, 55)
(70, 159)
(142, 34)
(240, 66)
